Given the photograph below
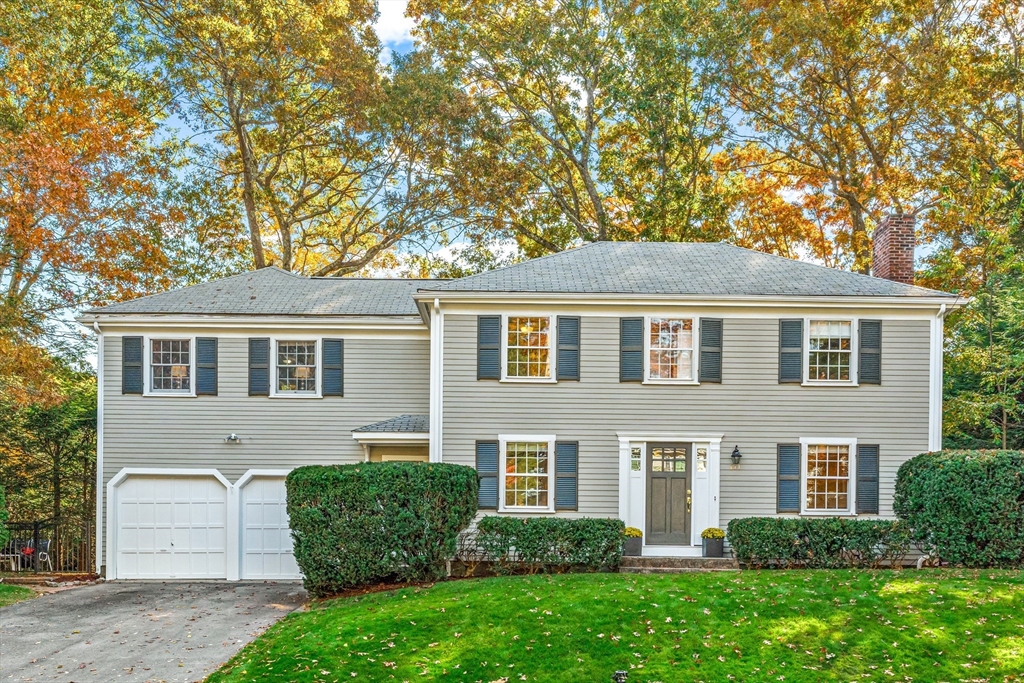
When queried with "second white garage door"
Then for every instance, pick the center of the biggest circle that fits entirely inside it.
(266, 538)
(171, 528)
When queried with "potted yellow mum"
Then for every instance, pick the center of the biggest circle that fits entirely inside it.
(633, 545)
(714, 542)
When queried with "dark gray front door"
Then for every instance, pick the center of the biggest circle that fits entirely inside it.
(668, 494)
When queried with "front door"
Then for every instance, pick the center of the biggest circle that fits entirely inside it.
(669, 494)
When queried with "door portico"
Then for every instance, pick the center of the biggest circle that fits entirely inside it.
(655, 500)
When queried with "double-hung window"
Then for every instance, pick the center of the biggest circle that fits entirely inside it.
(528, 462)
(528, 348)
(296, 368)
(670, 350)
(170, 366)
(830, 351)
(827, 476)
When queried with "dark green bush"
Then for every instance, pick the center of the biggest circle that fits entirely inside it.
(965, 507)
(820, 542)
(550, 544)
(355, 525)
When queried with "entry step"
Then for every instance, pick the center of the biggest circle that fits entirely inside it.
(676, 565)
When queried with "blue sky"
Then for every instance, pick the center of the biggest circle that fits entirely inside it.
(393, 27)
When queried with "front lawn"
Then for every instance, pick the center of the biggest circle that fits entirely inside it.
(938, 625)
(10, 594)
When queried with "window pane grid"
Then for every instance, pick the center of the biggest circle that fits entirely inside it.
(526, 475)
(528, 347)
(828, 478)
(830, 349)
(671, 349)
(296, 366)
(171, 365)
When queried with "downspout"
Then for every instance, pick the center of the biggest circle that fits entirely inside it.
(100, 567)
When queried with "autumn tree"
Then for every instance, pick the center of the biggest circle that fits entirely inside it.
(330, 159)
(597, 120)
(822, 86)
(81, 180)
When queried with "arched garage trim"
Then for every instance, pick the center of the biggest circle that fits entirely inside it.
(113, 571)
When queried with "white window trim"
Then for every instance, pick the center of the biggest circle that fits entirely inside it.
(552, 349)
(503, 440)
(694, 362)
(851, 491)
(274, 392)
(147, 367)
(854, 353)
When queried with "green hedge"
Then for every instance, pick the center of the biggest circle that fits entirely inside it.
(550, 544)
(965, 507)
(355, 525)
(821, 542)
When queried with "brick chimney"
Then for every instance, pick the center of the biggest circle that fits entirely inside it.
(893, 248)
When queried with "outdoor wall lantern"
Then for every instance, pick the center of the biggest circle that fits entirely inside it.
(736, 456)
(232, 438)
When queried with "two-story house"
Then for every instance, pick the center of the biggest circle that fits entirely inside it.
(674, 386)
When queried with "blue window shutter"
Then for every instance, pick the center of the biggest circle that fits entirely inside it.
(789, 478)
(334, 367)
(791, 351)
(488, 347)
(867, 479)
(566, 478)
(710, 350)
(131, 365)
(870, 371)
(631, 350)
(206, 366)
(259, 367)
(487, 474)
(568, 361)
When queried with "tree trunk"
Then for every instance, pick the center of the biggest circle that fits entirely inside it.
(859, 239)
(248, 175)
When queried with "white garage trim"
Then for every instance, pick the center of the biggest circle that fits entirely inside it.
(240, 528)
(125, 473)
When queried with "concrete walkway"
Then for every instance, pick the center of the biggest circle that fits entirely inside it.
(176, 632)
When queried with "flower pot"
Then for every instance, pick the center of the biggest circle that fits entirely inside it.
(714, 547)
(632, 547)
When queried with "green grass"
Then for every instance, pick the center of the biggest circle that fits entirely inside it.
(929, 626)
(11, 594)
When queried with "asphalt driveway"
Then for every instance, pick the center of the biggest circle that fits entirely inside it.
(176, 632)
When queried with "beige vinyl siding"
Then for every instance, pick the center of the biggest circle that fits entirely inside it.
(749, 407)
(384, 377)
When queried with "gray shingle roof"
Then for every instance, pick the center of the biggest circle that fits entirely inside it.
(272, 291)
(676, 268)
(419, 424)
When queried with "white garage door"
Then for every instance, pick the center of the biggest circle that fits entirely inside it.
(266, 538)
(171, 528)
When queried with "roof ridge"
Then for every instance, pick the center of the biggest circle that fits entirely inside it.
(530, 260)
(186, 287)
(828, 268)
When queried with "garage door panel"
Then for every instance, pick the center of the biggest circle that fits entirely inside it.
(267, 541)
(172, 527)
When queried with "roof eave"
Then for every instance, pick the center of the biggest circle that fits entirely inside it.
(951, 301)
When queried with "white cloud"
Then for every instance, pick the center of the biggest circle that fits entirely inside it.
(393, 27)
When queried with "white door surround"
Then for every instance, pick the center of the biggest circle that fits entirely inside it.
(706, 459)
(233, 519)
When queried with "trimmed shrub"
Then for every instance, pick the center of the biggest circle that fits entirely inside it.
(965, 507)
(819, 542)
(550, 544)
(355, 525)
